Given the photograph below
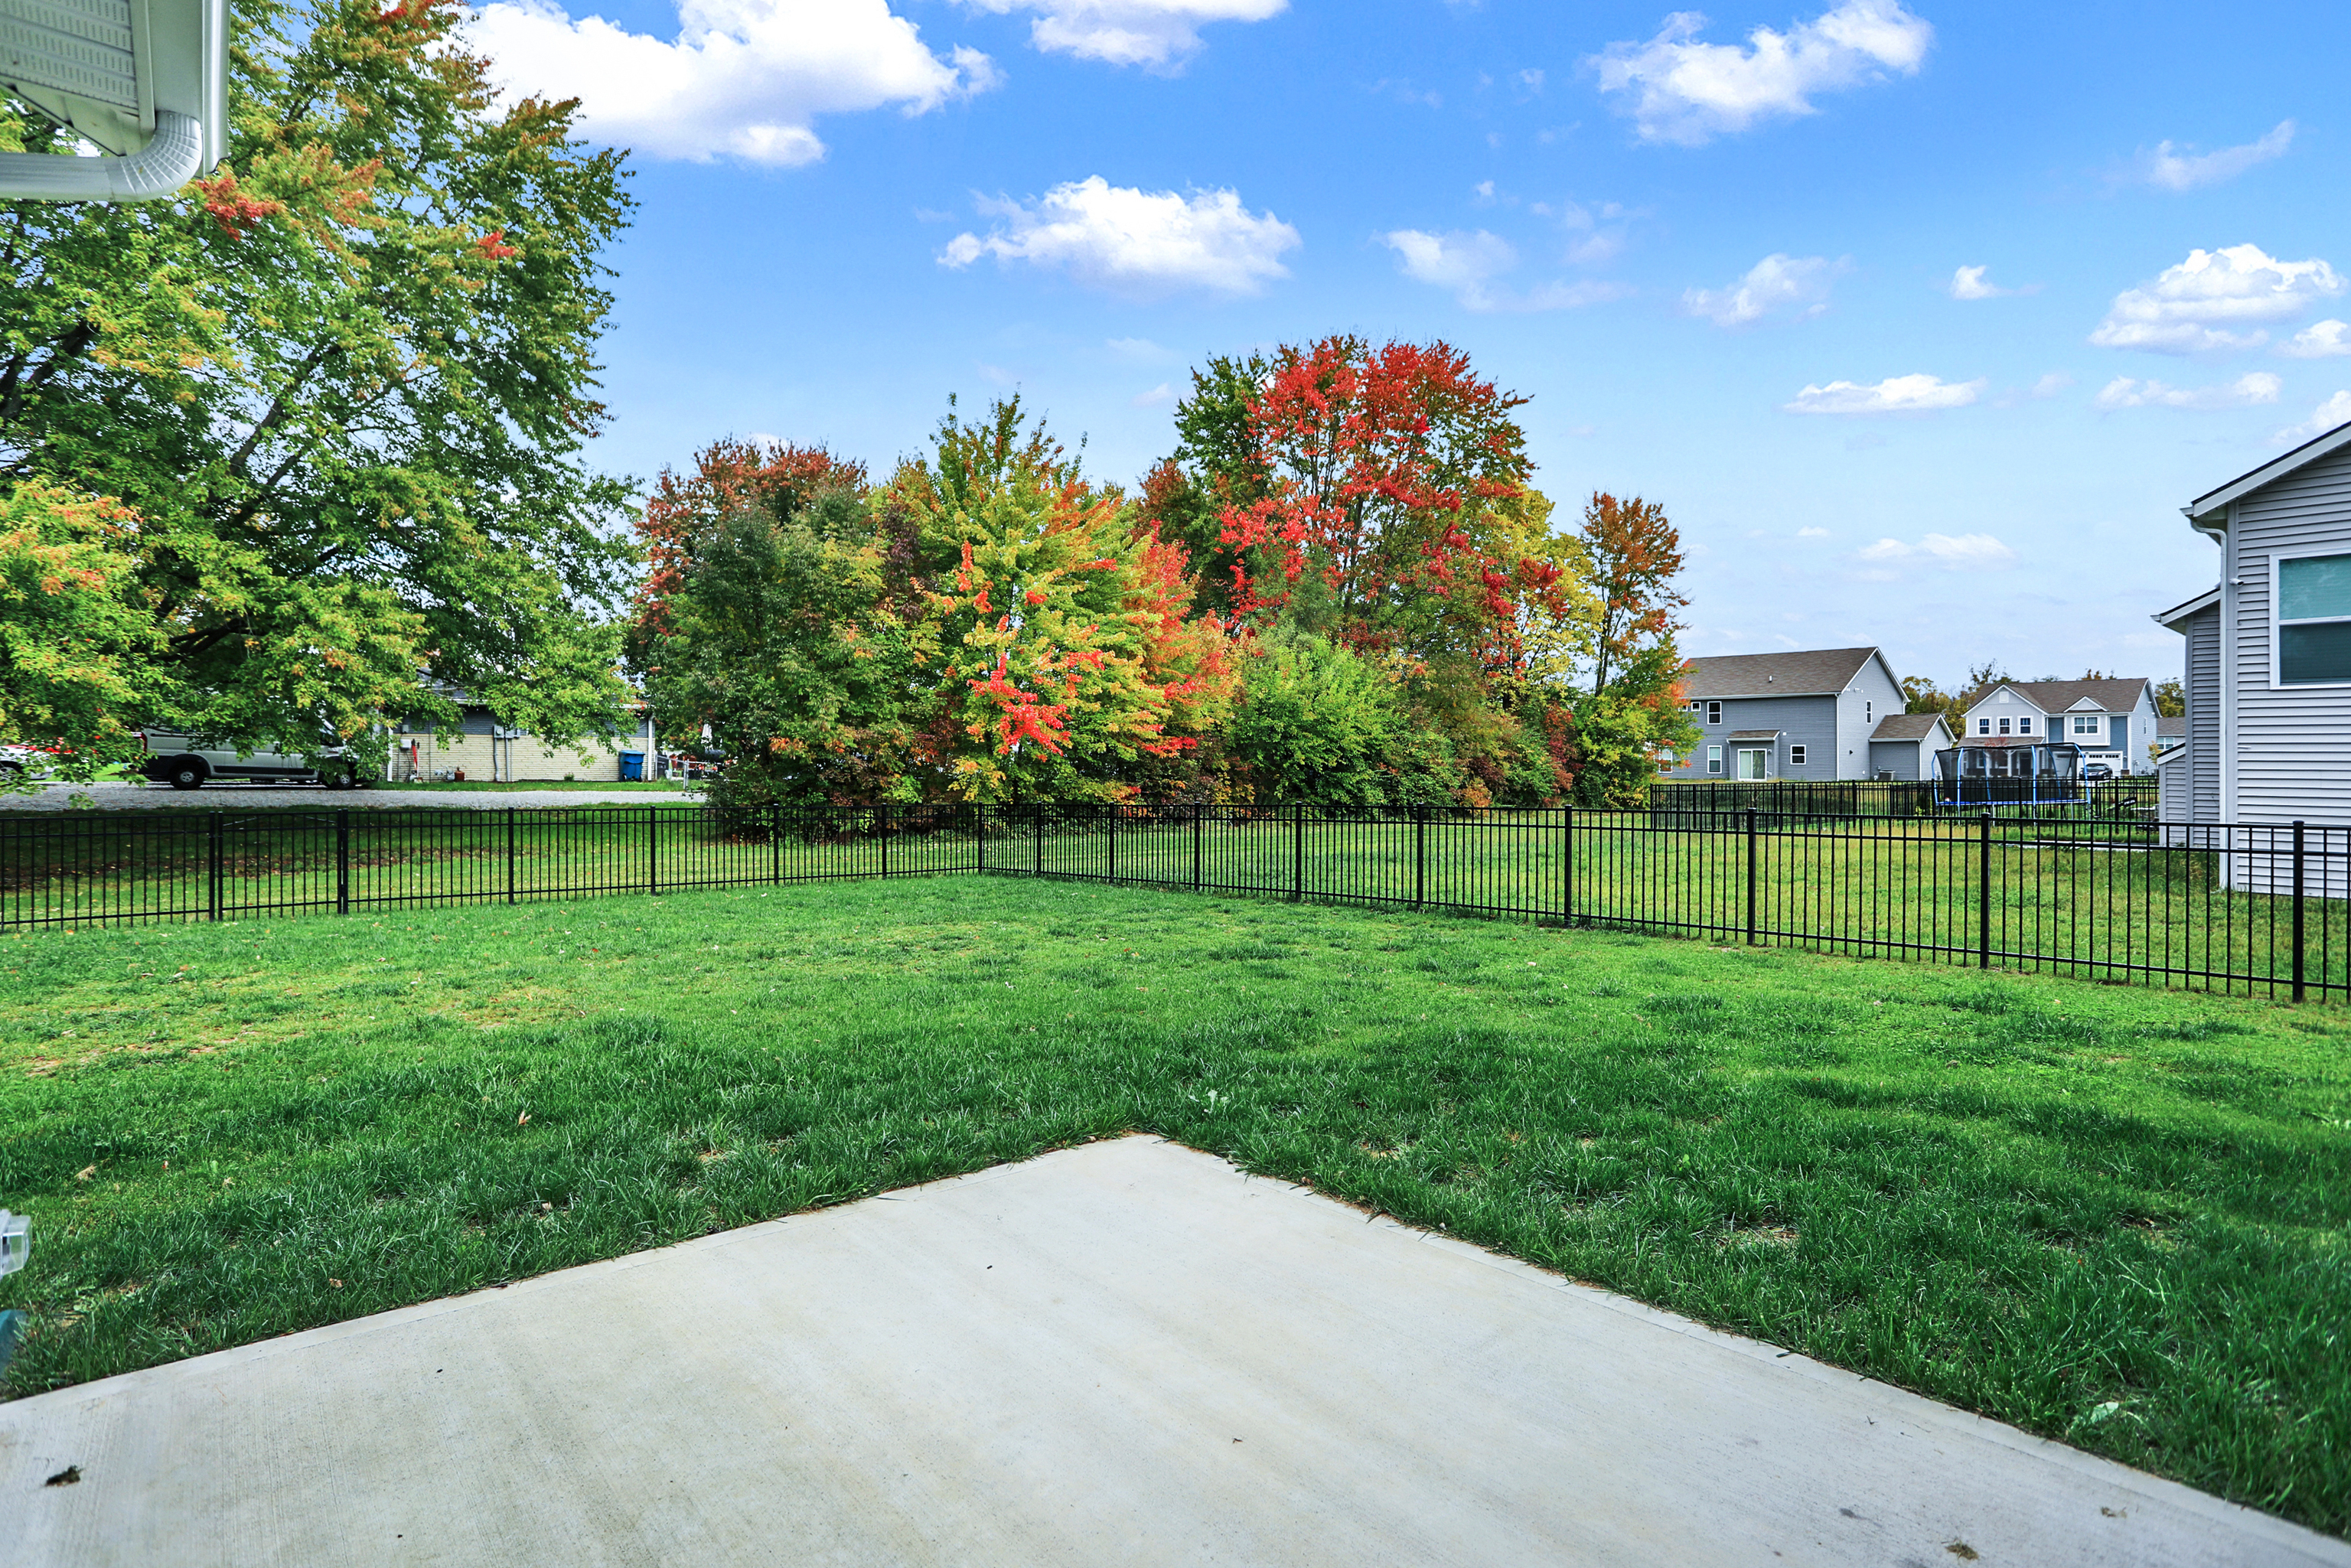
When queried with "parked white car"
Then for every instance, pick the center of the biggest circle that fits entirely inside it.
(186, 762)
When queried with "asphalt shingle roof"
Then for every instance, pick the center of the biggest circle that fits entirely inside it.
(1906, 726)
(1802, 675)
(2056, 697)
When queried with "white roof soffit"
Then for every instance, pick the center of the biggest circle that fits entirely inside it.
(2209, 511)
(146, 81)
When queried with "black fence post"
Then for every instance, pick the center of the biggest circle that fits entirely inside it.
(2298, 992)
(881, 834)
(1297, 853)
(979, 836)
(1114, 842)
(1567, 866)
(511, 815)
(653, 849)
(342, 862)
(1037, 811)
(212, 868)
(1983, 893)
(1750, 876)
(1197, 813)
(775, 842)
(1419, 855)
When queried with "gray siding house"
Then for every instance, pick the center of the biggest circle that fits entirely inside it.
(1903, 746)
(2112, 721)
(1787, 716)
(2269, 650)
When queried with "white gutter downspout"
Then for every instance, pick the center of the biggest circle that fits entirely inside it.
(173, 158)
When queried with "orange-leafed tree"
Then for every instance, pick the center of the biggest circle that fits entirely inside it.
(1635, 553)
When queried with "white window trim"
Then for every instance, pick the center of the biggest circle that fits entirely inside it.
(2074, 721)
(1714, 713)
(2278, 683)
(2024, 724)
(1983, 725)
(1796, 756)
(1714, 761)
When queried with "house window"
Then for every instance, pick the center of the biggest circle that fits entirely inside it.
(1795, 756)
(1754, 763)
(2003, 727)
(1984, 726)
(2314, 620)
(1868, 711)
(1714, 713)
(2089, 723)
(2024, 726)
(1714, 759)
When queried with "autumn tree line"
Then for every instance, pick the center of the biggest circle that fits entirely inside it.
(305, 452)
(1341, 588)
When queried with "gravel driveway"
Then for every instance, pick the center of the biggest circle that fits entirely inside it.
(246, 797)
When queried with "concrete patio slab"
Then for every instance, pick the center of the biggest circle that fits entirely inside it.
(1128, 1352)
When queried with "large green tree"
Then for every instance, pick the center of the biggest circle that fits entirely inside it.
(337, 396)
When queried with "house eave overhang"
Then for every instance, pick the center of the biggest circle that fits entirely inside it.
(2209, 513)
(2169, 620)
(1749, 697)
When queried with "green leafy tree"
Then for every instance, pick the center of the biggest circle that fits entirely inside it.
(1316, 722)
(2170, 698)
(344, 385)
(77, 639)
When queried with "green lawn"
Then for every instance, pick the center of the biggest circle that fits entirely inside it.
(2117, 1217)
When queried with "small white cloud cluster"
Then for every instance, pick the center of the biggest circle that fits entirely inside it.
(1971, 283)
(2171, 170)
(1467, 266)
(2336, 411)
(2245, 391)
(1777, 284)
(2319, 341)
(1135, 242)
(1155, 33)
(1896, 394)
(1952, 552)
(2215, 299)
(1686, 91)
(745, 79)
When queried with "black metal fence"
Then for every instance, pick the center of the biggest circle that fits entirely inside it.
(2130, 797)
(2241, 907)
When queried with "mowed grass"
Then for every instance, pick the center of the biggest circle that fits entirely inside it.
(2113, 1216)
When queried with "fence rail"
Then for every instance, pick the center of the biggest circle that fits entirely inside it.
(2130, 797)
(2236, 907)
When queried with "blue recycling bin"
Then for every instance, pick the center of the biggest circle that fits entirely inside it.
(633, 768)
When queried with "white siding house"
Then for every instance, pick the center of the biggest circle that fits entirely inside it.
(2112, 721)
(2269, 648)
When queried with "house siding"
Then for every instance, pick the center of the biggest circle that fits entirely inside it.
(1810, 722)
(1903, 759)
(2202, 788)
(2291, 748)
(1872, 696)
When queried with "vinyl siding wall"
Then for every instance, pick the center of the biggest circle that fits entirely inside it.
(2292, 745)
(1871, 697)
(1905, 759)
(2203, 680)
(1810, 722)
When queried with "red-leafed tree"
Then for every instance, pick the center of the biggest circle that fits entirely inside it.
(1375, 470)
(728, 475)
(1636, 554)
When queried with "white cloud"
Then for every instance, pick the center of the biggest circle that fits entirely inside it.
(2335, 411)
(1961, 552)
(2246, 390)
(1138, 350)
(1775, 284)
(2207, 301)
(1157, 33)
(1467, 264)
(2319, 341)
(1811, 533)
(1969, 283)
(745, 79)
(1131, 241)
(2050, 385)
(1896, 394)
(1162, 393)
(1688, 92)
(2173, 170)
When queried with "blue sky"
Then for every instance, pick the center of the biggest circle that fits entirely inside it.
(1724, 264)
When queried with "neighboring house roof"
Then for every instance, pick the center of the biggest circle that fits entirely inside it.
(1908, 727)
(2061, 697)
(2171, 728)
(2207, 509)
(1821, 672)
(1756, 734)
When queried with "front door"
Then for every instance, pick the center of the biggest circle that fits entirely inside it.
(1754, 763)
